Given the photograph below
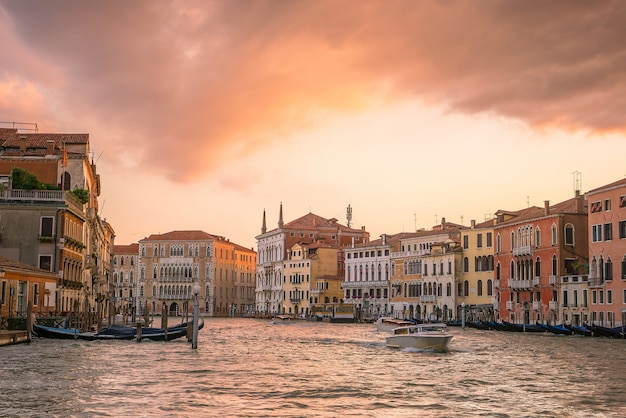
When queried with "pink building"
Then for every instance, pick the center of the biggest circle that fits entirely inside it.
(607, 254)
(537, 250)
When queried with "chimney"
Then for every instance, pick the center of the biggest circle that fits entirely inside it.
(546, 205)
(580, 202)
(384, 238)
(280, 217)
(50, 147)
(443, 221)
(473, 222)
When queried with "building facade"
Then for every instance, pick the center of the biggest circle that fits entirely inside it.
(607, 254)
(475, 288)
(535, 248)
(54, 225)
(125, 275)
(171, 263)
(272, 249)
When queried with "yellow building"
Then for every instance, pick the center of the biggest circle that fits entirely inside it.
(311, 278)
(475, 285)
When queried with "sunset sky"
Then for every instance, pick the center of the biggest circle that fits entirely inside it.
(201, 114)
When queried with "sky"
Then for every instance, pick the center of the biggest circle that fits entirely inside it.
(203, 114)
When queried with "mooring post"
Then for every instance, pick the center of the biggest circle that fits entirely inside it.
(196, 314)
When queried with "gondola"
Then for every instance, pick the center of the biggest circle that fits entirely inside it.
(115, 332)
(600, 331)
(579, 330)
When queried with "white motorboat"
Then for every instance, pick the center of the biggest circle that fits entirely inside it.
(422, 336)
(283, 319)
(388, 323)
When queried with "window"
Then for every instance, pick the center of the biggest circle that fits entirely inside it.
(489, 288)
(569, 234)
(498, 243)
(624, 268)
(489, 239)
(47, 224)
(622, 229)
(608, 270)
(465, 241)
(595, 207)
(479, 240)
(608, 232)
(538, 267)
(622, 201)
(607, 205)
(554, 266)
(45, 262)
(479, 288)
(537, 237)
(554, 234)
(466, 265)
(596, 233)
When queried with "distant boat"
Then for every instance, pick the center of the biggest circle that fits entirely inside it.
(421, 336)
(283, 320)
(388, 323)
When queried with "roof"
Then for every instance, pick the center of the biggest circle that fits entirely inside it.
(534, 212)
(11, 264)
(181, 236)
(126, 249)
(313, 221)
(18, 144)
(615, 184)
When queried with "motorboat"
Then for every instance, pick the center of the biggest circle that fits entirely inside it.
(388, 323)
(421, 336)
(283, 319)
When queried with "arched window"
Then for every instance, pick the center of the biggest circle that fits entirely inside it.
(608, 269)
(466, 288)
(538, 267)
(512, 240)
(489, 288)
(512, 270)
(537, 237)
(569, 234)
(498, 243)
(554, 241)
(554, 266)
(465, 265)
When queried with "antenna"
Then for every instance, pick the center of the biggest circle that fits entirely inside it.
(349, 215)
(15, 125)
(527, 201)
(578, 181)
(461, 219)
(415, 220)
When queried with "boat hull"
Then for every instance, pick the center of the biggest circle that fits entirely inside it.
(422, 342)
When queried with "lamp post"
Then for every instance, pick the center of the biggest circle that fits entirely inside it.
(196, 313)
(463, 315)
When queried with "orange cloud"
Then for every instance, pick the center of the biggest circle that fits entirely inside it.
(186, 86)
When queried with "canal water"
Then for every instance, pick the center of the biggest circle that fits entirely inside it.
(252, 368)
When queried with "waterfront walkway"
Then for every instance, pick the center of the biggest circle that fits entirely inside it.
(8, 337)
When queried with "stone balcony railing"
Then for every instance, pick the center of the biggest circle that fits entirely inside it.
(523, 250)
(364, 284)
(520, 284)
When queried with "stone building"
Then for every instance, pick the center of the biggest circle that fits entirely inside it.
(171, 263)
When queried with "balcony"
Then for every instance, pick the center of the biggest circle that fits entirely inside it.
(428, 298)
(520, 284)
(596, 282)
(554, 305)
(509, 304)
(317, 291)
(553, 280)
(363, 284)
(524, 250)
(536, 306)
(536, 281)
(496, 283)
(294, 300)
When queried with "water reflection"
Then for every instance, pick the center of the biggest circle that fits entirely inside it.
(246, 367)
